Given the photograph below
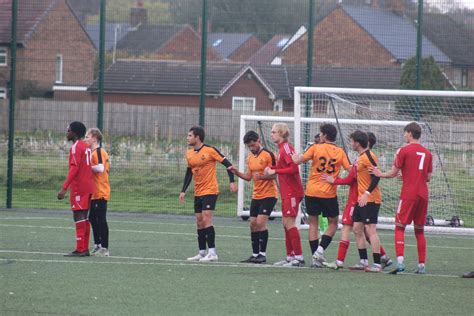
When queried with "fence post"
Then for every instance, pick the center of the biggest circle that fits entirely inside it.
(100, 99)
(419, 46)
(202, 98)
(11, 112)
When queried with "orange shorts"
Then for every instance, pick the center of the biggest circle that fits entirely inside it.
(80, 202)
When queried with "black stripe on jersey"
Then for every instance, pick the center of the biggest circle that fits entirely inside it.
(99, 154)
(271, 155)
(371, 159)
(217, 150)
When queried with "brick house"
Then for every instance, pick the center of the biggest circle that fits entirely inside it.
(171, 42)
(267, 53)
(238, 47)
(362, 36)
(228, 85)
(53, 48)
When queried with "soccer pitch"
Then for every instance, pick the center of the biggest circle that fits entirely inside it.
(148, 274)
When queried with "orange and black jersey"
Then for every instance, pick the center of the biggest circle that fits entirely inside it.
(366, 181)
(202, 166)
(256, 164)
(327, 159)
(102, 186)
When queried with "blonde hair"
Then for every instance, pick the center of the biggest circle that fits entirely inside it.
(95, 132)
(282, 129)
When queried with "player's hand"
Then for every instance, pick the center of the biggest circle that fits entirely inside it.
(61, 194)
(363, 199)
(233, 187)
(269, 171)
(231, 169)
(328, 178)
(182, 195)
(375, 171)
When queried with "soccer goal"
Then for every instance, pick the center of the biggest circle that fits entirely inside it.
(446, 119)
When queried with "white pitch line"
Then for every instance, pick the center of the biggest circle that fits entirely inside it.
(192, 234)
(217, 226)
(183, 264)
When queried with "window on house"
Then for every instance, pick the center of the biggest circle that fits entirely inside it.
(3, 56)
(243, 104)
(278, 106)
(464, 78)
(3, 93)
(59, 68)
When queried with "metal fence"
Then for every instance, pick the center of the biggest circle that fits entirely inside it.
(136, 69)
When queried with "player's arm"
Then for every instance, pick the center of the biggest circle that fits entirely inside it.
(392, 173)
(428, 177)
(187, 181)
(98, 167)
(72, 173)
(247, 176)
(307, 155)
(341, 181)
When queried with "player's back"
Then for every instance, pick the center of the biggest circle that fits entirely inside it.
(80, 157)
(415, 163)
(101, 179)
(327, 159)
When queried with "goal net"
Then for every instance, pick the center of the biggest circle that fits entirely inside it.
(446, 119)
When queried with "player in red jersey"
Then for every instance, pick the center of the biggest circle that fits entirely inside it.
(291, 192)
(415, 163)
(351, 181)
(81, 186)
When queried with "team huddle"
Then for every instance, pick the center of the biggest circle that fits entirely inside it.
(274, 176)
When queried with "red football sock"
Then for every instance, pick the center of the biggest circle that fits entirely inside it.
(421, 245)
(382, 251)
(294, 234)
(87, 235)
(399, 241)
(289, 248)
(80, 235)
(342, 251)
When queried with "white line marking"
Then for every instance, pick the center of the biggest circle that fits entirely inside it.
(177, 262)
(193, 234)
(217, 226)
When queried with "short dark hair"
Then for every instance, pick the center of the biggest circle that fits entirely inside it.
(372, 139)
(251, 136)
(198, 131)
(414, 129)
(360, 137)
(329, 130)
(78, 128)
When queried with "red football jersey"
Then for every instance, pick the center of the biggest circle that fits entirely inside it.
(351, 181)
(288, 173)
(415, 162)
(80, 178)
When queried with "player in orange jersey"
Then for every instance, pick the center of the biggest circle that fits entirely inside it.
(264, 196)
(202, 160)
(98, 209)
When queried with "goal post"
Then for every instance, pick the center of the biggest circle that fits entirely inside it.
(446, 118)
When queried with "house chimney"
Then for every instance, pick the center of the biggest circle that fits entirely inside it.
(199, 26)
(396, 6)
(138, 15)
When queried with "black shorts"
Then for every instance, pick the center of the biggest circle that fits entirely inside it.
(205, 203)
(367, 214)
(262, 206)
(316, 206)
(99, 205)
